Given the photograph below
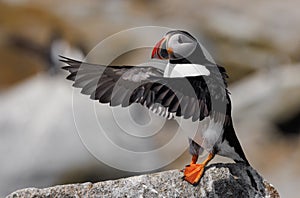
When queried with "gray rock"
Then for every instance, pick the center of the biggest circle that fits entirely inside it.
(219, 180)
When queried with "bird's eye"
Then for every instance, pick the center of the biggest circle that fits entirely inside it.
(180, 40)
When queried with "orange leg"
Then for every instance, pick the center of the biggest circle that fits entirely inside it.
(193, 172)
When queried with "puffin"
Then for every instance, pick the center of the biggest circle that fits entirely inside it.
(191, 87)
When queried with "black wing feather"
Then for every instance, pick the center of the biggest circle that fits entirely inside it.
(123, 85)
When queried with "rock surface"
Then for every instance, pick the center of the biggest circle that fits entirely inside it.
(219, 180)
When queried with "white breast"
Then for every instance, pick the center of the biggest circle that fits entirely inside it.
(209, 132)
(184, 70)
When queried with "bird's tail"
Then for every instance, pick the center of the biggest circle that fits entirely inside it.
(230, 135)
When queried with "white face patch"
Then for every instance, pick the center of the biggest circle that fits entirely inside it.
(182, 45)
(185, 70)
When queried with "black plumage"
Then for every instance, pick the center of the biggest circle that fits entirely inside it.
(189, 97)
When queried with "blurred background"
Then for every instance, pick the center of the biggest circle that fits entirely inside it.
(257, 41)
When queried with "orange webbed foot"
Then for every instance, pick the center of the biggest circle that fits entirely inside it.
(193, 173)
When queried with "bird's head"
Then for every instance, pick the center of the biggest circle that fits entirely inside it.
(175, 45)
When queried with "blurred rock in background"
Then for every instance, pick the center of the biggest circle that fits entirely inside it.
(257, 41)
(30, 38)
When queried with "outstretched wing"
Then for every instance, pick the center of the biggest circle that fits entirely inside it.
(124, 85)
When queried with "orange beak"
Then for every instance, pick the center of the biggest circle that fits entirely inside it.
(159, 51)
